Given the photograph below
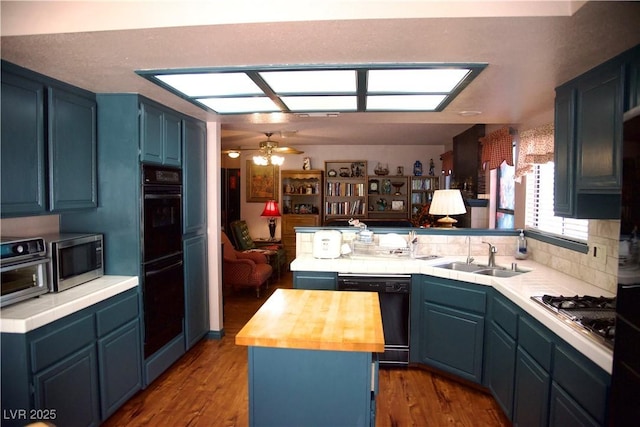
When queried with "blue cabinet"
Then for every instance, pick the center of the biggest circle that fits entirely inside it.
(531, 406)
(72, 151)
(54, 158)
(315, 280)
(194, 176)
(588, 138)
(83, 366)
(160, 137)
(196, 289)
(448, 326)
(633, 80)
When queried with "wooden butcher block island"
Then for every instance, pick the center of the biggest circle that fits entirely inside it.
(313, 358)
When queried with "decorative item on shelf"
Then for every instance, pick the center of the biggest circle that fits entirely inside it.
(332, 173)
(397, 186)
(381, 169)
(374, 186)
(400, 171)
(432, 168)
(382, 204)
(271, 211)
(386, 187)
(344, 172)
(357, 169)
(397, 205)
(447, 202)
(417, 168)
(306, 164)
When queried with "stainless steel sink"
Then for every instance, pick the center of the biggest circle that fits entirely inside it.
(461, 266)
(496, 272)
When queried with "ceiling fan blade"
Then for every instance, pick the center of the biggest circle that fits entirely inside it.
(287, 150)
(237, 149)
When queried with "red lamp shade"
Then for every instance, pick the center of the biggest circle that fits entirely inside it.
(271, 209)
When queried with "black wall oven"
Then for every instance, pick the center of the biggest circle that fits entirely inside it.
(162, 266)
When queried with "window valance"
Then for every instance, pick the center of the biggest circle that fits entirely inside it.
(535, 147)
(497, 147)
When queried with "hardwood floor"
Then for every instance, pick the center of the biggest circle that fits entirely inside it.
(208, 386)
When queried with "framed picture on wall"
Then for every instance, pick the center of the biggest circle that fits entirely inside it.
(262, 182)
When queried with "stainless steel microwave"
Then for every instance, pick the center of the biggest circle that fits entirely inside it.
(76, 258)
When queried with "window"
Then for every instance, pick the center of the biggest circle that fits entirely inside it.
(539, 214)
(505, 217)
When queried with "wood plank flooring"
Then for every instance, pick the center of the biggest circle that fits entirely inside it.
(208, 386)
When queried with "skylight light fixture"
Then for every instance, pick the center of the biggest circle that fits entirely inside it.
(320, 88)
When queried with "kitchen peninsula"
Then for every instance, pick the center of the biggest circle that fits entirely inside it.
(312, 358)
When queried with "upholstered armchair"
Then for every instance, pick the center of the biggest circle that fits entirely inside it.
(243, 269)
(275, 252)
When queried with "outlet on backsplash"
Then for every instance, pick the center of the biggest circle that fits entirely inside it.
(599, 253)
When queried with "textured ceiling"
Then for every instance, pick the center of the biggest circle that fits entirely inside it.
(528, 57)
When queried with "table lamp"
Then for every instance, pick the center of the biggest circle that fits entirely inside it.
(447, 202)
(271, 211)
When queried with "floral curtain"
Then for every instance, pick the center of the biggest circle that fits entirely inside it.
(447, 162)
(497, 147)
(535, 147)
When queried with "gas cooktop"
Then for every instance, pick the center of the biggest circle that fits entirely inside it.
(596, 315)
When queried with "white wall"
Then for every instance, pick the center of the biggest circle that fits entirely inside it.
(393, 155)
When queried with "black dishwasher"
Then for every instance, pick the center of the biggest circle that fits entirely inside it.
(394, 294)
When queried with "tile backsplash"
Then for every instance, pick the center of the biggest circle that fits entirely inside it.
(600, 272)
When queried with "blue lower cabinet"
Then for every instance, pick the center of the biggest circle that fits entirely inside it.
(80, 368)
(297, 387)
(67, 392)
(531, 392)
(315, 280)
(500, 367)
(566, 412)
(196, 288)
(448, 326)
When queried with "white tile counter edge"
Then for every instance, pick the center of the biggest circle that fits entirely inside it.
(31, 314)
(519, 289)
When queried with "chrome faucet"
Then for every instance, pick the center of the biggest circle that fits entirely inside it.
(492, 254)
(469, 257)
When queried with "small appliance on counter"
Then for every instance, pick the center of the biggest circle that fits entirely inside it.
(76, 258)
(327, 244)
(23, 269)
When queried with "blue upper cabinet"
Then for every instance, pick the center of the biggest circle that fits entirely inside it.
(588, 143)
(160, 138)
(23, 146)
(67, 139)
(194, 177)
(72, 151)
(633, 80)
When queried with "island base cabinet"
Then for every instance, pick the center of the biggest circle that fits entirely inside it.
(296, 387)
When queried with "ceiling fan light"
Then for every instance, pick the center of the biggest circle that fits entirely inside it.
(277, 160)
(233, 154)
(260, 160)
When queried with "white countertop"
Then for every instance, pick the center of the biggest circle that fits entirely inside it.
(519, 289)
(31, 314)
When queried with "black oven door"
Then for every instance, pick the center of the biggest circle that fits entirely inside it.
(163, 295)
(162, 226)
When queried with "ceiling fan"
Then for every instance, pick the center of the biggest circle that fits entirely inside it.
(269, 151)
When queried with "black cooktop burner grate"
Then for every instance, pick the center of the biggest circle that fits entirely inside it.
(579, 302)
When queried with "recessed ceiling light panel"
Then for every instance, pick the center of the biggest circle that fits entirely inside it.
(415, 81)
(211, 84)
(311, 81)
(321, 103)
(240, 105)
(404, 102)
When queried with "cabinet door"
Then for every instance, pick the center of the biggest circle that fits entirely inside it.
(171, 143)
(633, 83)
(196, 287)
(564, 147)
(599, 130)
(72, 151)
(501, 361)
(531, 392)
(317, 280)
(120, 361)
(151, 134)
(70, 387)
(565, 412)
(452, 340)
(22, 147)
(194, 178)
